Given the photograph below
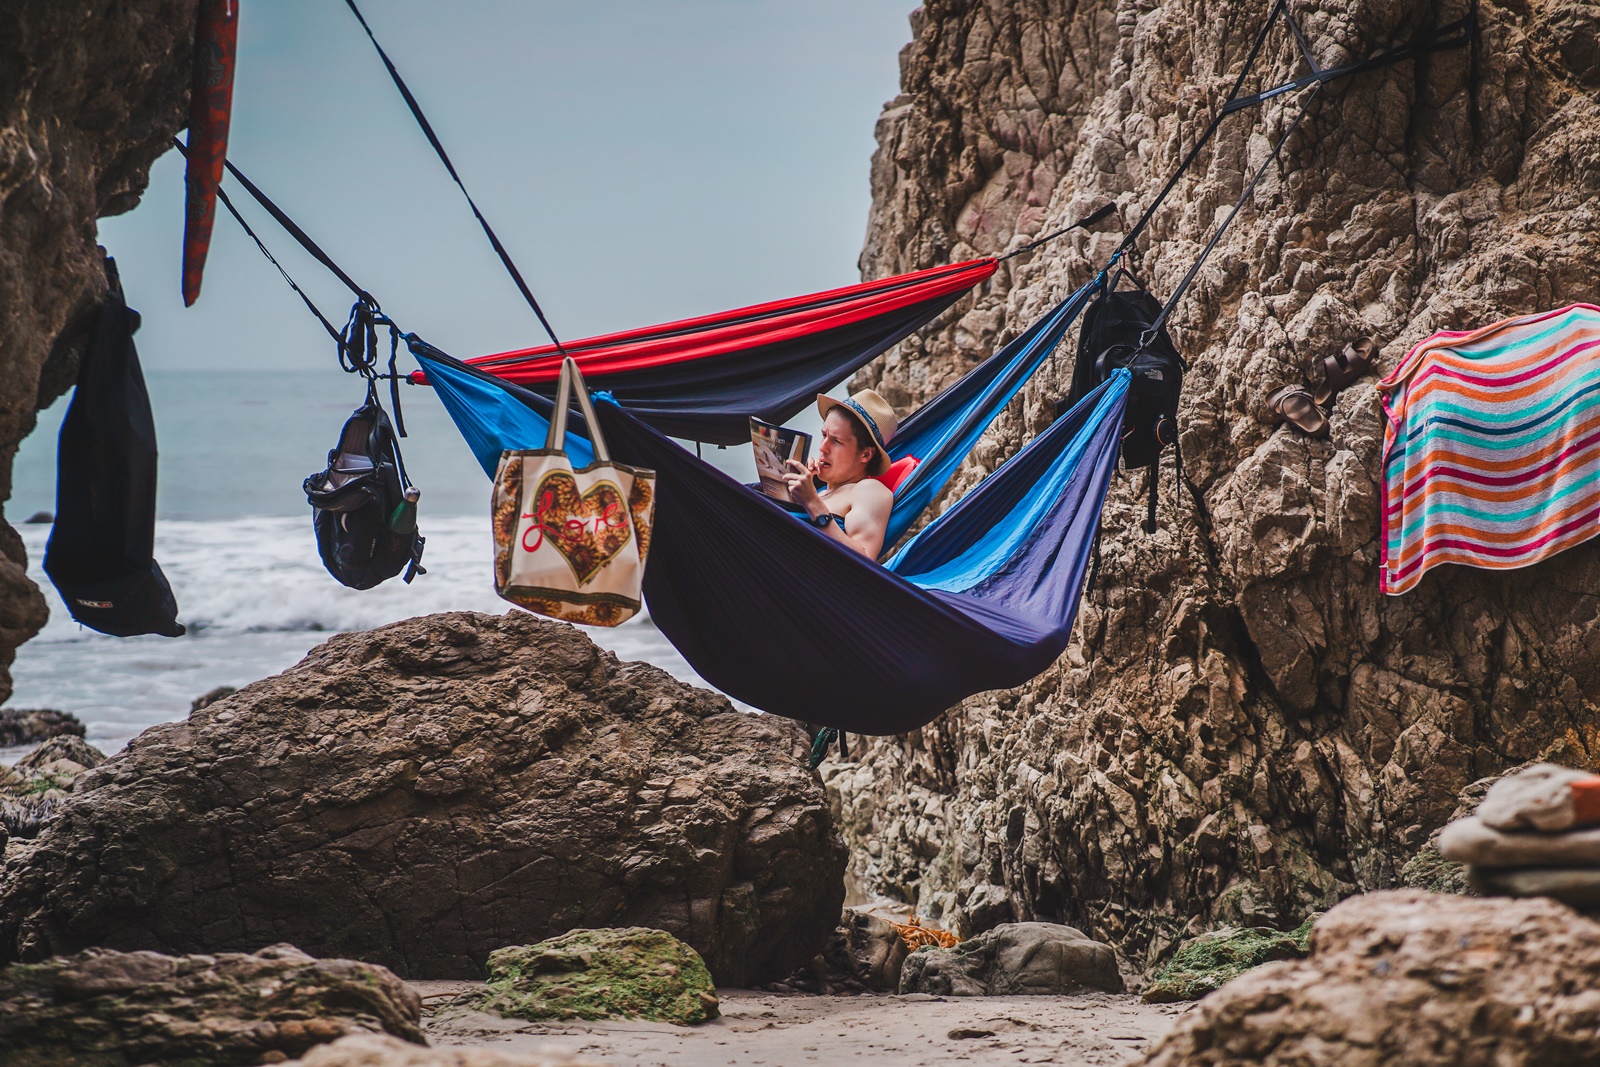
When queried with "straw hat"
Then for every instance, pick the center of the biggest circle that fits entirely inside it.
(873, 412)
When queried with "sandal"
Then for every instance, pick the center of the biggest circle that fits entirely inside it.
(1341, 370)
(1295, 404)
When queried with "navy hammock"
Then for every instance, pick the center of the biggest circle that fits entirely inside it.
(778, 615)
(701, 379)
(940, 434)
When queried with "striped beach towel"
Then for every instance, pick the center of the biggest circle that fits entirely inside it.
(1492, 448)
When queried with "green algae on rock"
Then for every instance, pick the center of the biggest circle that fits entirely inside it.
(633, 973)
(1206, 962)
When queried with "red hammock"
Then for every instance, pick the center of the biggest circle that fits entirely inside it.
(703, 378)
(740, 330)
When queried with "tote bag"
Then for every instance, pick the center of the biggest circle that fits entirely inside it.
(570, 542)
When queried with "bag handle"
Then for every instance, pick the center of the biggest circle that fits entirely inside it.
(556, 439)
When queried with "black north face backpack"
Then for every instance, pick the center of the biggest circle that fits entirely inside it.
(101, 553)
(1116, 334)
(363, 507)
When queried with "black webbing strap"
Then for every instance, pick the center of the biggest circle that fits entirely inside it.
(358, 341)
(298, 234)
(394, 392)
(433, 139)
(1278, 8)
(223, 197)
(1457, 34)
(1238, 205)
(1090, 219)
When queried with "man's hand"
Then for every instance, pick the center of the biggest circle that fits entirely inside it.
(803, 487)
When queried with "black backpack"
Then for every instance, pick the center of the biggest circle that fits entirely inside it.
(363, 507)
(1115, 325)
(101, 552)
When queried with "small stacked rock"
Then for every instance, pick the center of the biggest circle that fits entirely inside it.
(1537, 833)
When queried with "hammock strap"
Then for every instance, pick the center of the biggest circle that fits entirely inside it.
(1452, 35)
(358, 341)
(1238, 205)
(1093, 217)
(394, 387)
(1278, 8)
(282, 218)
(444, 157)
(326, 325)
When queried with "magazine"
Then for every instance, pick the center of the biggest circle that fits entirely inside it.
(774, 445)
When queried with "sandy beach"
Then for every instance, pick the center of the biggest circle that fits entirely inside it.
(793, 1030)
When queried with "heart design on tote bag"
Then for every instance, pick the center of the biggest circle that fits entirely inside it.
(588, 529)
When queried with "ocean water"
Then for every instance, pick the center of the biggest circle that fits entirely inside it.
(234, 538)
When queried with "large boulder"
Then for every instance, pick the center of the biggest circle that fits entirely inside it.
(110, 1009)
(425, 793)
(1413, 978)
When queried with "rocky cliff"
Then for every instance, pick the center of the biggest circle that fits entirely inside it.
(90, 95)
(1244, 730)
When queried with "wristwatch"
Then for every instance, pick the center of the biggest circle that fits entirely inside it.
(821, 522)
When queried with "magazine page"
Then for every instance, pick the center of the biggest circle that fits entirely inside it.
(774, 445)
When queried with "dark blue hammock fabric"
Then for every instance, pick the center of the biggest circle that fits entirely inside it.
(778, 615)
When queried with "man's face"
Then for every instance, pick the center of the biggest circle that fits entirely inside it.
(839, 458)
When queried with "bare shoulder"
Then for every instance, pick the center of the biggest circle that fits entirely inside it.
(873, 495)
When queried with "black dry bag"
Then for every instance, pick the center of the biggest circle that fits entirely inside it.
(101, 552)
(1116, 334)
(363, 507)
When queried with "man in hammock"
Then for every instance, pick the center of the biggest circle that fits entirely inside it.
(852, 449)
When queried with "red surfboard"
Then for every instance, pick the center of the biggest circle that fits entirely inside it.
(210, 104)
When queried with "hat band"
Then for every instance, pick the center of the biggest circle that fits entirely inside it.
(868, 421)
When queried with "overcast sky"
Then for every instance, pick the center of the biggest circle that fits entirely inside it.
(643, 160)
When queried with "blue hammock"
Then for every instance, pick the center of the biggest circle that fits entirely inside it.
(940, 434)
(782, 617)
(944, 430)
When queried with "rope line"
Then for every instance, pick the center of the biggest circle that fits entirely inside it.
(1093, 217)
(444, 157)
(1244, 196)
(1278, 8)
(223, 196)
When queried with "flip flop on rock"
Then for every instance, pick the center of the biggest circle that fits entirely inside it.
(1294, 404)
(1341, 370)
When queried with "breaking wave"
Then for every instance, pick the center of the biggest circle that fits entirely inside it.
(255, 598)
